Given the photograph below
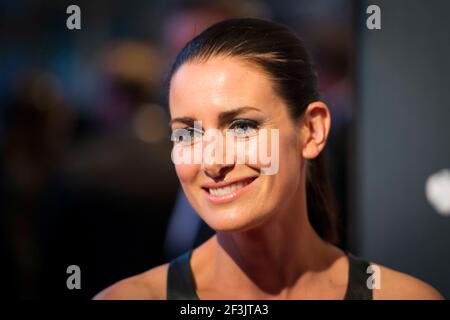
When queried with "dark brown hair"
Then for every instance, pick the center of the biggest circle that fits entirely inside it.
(284, 58)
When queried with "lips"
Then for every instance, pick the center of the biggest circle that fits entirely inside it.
(227, 191)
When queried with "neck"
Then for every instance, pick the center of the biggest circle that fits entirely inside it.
(273, 257)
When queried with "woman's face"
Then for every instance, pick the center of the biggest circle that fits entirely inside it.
(234, 96)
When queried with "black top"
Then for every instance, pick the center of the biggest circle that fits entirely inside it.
(181, 286)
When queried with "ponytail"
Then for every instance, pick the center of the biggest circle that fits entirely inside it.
(320, 200)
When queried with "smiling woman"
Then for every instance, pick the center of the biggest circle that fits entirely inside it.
(275, 235)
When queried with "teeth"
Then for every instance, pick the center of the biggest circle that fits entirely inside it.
(228, 189)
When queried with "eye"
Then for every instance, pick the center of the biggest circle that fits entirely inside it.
(244, 128)
(185, 136)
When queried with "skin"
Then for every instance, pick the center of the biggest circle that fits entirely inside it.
(264, 231)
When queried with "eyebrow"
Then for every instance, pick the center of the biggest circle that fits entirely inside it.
(187, 120)
(224, 117)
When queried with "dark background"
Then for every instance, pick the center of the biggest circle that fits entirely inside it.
(402, 138)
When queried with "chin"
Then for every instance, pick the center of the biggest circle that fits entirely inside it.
(233, 219)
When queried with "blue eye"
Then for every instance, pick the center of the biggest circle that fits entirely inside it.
(243, 128)
(186, 135)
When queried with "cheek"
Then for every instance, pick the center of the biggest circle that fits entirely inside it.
(290, 161)
(252, 153)
(261, 152)
(186, 172)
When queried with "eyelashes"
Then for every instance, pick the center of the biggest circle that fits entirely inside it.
(239, 128)
(186, 135)
(244, 128)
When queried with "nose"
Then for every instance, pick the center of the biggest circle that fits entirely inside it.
(215, 163)
(216, 172)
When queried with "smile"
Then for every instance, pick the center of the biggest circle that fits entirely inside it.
(223, 193)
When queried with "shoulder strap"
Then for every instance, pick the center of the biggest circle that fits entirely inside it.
(357, 279)
(180, 282)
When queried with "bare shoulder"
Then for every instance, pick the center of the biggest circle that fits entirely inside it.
(395, 285)
(149, 285)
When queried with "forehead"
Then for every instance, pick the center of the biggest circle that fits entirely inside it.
(218, 84)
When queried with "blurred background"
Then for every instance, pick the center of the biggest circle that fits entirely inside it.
(85, 171)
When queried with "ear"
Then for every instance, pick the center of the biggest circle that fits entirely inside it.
(315, 126)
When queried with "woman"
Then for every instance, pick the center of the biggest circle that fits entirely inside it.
(274, 231)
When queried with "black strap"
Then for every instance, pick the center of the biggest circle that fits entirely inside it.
(180, 282)
(357, 288)
(181, 285)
